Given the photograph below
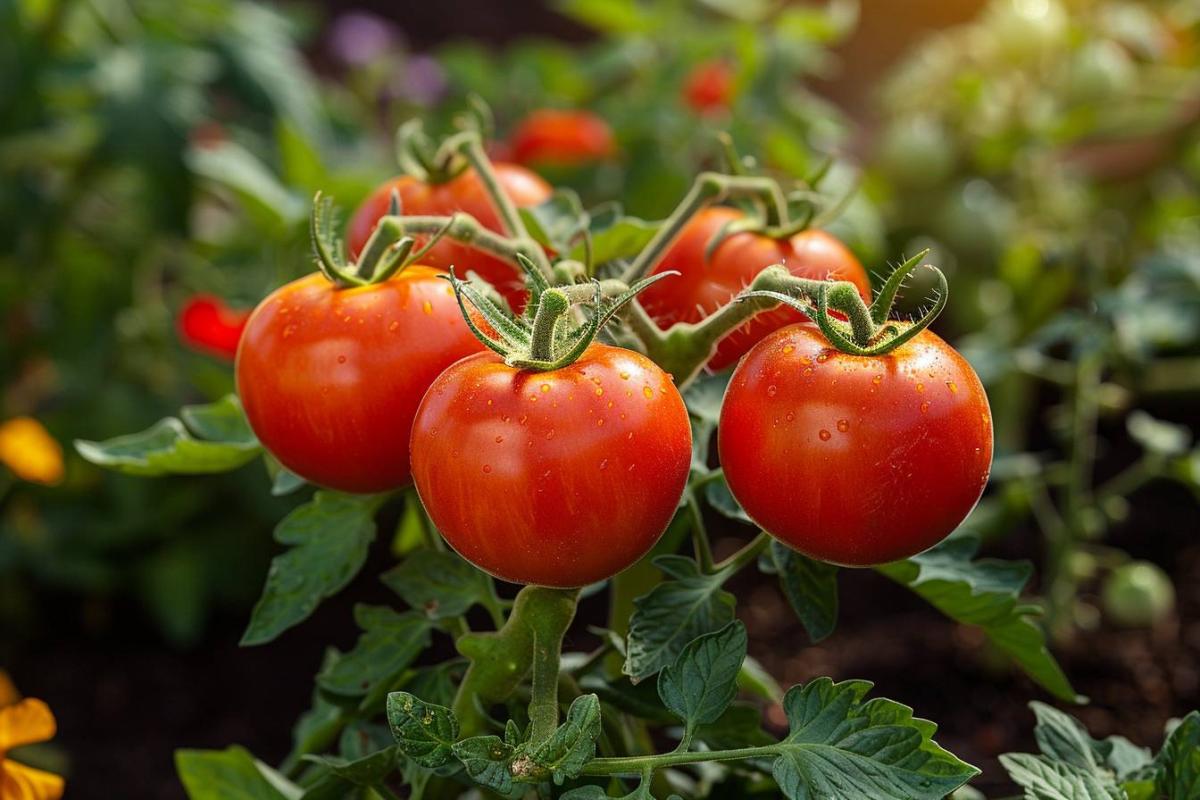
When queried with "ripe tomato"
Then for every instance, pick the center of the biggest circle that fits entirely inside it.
(559, 478)
(855, 460)
(708, 88)
(208, 324)
(560, 138)
(703, 287)
(462, 193)
(331, 378)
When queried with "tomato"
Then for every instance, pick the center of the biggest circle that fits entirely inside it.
(330, 378)
(1138, 595)
(208, 324)
(464, 193)
(855, 460)
(704, 286)
(559, 478)
(555, 137)
(708, 88)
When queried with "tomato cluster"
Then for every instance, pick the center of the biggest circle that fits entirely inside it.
(564, 475)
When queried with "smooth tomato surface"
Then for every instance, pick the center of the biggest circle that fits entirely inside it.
(561, 138)
(331, 378)
(704, 286)
(463, 193)
(558, 478)
(855, 460)
(708, 88)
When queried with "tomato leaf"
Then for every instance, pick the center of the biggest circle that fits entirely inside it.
(702, 682)
(425, 732)
(573, 745)
(624, 237)
(1178, 763)
(329, 537)
(367, 770)
(740, 726)
(1063, 738)
(985, 593)
(168, 447)
(554, 222)
(487, 760)
(233, 772)
(810, 587)
(674, 613)
(841, 746)
(440, 585)
(1043, 778)
(390, 642)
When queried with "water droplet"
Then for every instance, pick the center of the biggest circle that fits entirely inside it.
(646, 390)
(825, 435)
(521, 421)
(624, 376)
(823, 357)
(878, 379)
(499, 439)
(545, 387)
(920, 387)
(599, 391)
(843, 425)
(600, 422)
(489, 402)
(924, 407)
(604, 464)
(394, 326)
(952, 386)
(487, 467)
(808, 370)
(550, 434)
(787, 348)
(427, 307)
(771, 390)
(790, 416)
(341, 359)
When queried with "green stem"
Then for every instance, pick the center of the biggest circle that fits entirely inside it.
(549, 627)
(703, 548)
(550, 312)
(747, 555)
(466, 229)
(635, 765)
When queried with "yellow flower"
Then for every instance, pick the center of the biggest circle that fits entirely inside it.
(26, 722)
(30, 452)
(8, 692)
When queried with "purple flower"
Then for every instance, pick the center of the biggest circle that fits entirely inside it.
(421, 81)
(357, 38)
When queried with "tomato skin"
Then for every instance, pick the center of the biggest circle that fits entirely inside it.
(703, 287)
(559, 478)
(208, 324)
(855, 460)
(465, 193)
(556, 137)
(708, 88)
(330, 379)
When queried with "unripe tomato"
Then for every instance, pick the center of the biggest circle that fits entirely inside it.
(330, 378)
(554, 137)
(703, 285)
(1138, 594)
(559, 478)
(708, 88)
(462, 193)
(917, 151)
(855, 460)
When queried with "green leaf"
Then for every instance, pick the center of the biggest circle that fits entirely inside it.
(702, 682)
(573, 745)
(266, 201)
(425, 732)
(840, 746)
(487, 760)
(672, 614)
(368, 770)
(317, 728)
(230, 774)
(390, 642)
(439, 584)
(740, 726)
(329, 537)
(168, 448)
(610, 16)
(555, 221)
(810, 587)
(1179, 761)
(1061, 737)
(985, 593)
(624, 238)
(1045, 779)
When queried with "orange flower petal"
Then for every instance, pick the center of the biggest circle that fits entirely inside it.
(30, 452)
(8, 692)
(19, 782)
(26, 722)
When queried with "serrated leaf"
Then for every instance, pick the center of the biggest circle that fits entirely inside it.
(1061, 737)
(841, 746)
(573, 745)
(639, 699)
(702, 681)
(368, 770)
(624, 238)
(740, 726)
(169, 448)
(810, 587)
(224, 775)
(329, 537)
(390, 642)
(487, 760)
(1044, 779)
(985, 593)
(425, 732)
(687, 605)
(441, 585)
(1179, 760)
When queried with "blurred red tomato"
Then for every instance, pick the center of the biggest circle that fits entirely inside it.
(555, 137)
(708, 88)
(208, 324)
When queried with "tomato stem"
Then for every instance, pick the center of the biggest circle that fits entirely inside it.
(554, 612)
(745, 556)
(636, 765)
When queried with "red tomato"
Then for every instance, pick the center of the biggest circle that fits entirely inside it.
(559, 478)
(703, 287)
(562, 138)
(331, 378)
(462, 193)
(708, 88)
(855, 460)
(207, 324)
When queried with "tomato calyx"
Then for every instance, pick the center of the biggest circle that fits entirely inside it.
(544, 337)
(387, 252)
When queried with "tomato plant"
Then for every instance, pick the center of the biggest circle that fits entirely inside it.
(554, 137)
(709, 87)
